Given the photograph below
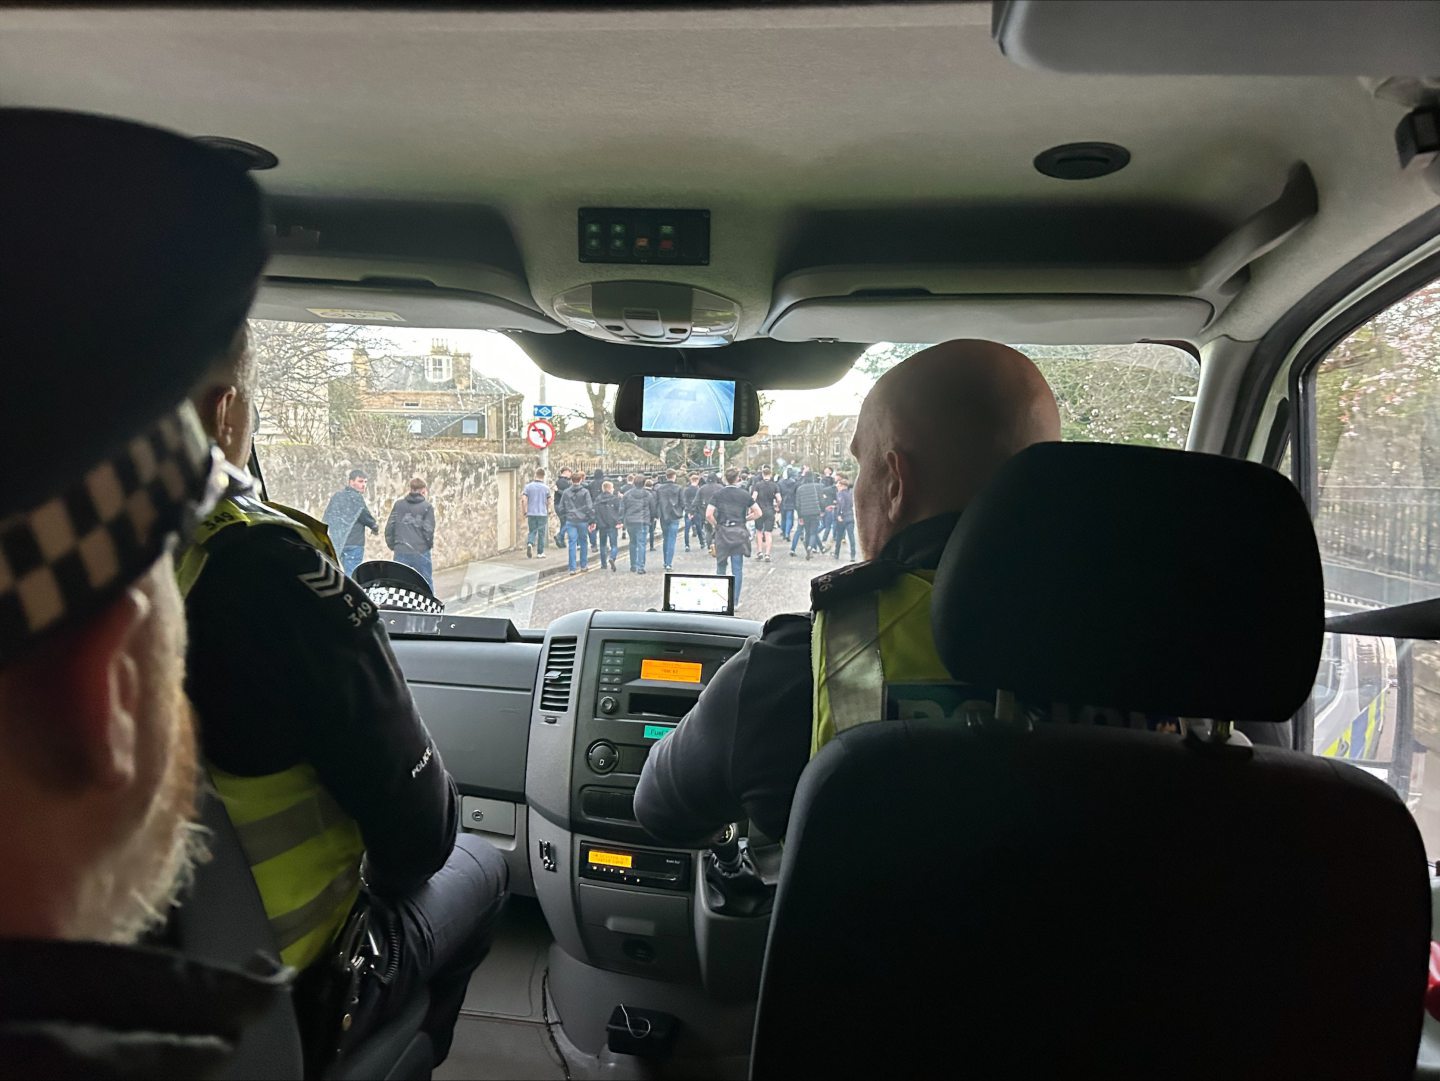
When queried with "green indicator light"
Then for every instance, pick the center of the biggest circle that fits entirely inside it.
(657, 731)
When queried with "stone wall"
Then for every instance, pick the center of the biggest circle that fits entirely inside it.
(464, 488)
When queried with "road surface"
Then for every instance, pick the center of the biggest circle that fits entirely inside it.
(532, 599)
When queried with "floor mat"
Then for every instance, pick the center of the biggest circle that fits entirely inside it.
(507, 983)
(489, 1049)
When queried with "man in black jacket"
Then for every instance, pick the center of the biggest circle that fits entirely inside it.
(607, 522)
(787, 486)
(739, 752)
(809, 510)
(694, 514)
(348, 517)
(703, 498)
(637, 508)
(576, 508)
(670, 506)
(410, 530)
(107, 225)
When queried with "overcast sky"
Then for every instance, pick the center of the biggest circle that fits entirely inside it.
(499, 356)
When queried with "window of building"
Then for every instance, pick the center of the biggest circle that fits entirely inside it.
(470, 426)
(512, 418)
(439, 369)
(416, 427)
(1371, 421)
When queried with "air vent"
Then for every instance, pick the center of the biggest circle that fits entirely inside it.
(559, 670)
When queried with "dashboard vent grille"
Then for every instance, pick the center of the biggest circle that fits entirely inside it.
(559, 671)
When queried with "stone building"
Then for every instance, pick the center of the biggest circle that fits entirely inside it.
(435, 396)
(816, 441)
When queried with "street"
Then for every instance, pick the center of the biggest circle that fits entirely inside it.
(533, 592)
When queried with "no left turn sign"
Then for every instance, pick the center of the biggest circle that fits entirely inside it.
(540, 434)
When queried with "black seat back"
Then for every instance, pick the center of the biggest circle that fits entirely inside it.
(1100, 901)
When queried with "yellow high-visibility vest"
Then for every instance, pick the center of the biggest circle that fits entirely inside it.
(863, 644)
(303, 849)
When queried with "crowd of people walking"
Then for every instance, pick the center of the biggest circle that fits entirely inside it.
(732, 515)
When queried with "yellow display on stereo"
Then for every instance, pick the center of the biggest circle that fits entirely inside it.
(672, 671)
(612, 859)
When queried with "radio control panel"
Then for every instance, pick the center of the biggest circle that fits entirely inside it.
(634, 690)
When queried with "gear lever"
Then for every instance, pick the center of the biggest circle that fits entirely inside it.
(733, 886)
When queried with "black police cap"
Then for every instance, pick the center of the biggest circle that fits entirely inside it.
(394, 585)
(129, 261)
(130, 258)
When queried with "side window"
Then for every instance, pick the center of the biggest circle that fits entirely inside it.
(1372, 426)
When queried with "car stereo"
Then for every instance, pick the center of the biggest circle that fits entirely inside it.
(642, 688)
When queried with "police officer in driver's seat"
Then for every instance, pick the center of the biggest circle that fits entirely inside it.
(740, 751)
(316, 749)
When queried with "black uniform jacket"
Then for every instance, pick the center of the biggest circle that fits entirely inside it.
(739, 752)
(90, 1010)
(289, 663)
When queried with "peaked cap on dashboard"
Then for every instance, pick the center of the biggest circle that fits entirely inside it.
(129, 261)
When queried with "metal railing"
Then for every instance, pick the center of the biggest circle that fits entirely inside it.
(1393, 531)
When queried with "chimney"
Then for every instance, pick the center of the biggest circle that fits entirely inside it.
(361, 360)
(461, 369)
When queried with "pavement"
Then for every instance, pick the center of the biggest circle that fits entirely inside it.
(532, 592)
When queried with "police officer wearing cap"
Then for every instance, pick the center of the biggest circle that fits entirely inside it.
(129, 260)
(740, 751)
(316, 748)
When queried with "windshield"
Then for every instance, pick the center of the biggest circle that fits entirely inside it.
(451, 427)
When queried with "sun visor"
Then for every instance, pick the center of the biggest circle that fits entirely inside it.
(371, 292)
(452, 309)
(1221, 37)
(1034, 319)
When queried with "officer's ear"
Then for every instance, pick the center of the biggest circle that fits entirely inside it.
(218, 413)
(73, 703)
(899, 488)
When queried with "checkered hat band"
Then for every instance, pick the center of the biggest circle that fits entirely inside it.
(72, 553)
(405, 599)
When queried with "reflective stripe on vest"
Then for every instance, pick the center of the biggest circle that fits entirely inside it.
(861, 644)
(240, 509)
(304, 851)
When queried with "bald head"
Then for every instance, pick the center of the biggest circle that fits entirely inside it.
(934, 429)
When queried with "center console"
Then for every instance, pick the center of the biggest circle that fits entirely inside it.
(630, 915)
(638, 688)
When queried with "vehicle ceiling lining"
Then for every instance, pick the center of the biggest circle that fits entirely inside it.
(784, 122)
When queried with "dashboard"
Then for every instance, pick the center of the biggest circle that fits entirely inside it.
(546, 738)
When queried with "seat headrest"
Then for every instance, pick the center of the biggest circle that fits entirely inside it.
(1153, 580)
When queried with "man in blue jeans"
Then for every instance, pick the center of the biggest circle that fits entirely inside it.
(670, 501)
(694, 515)
(577, 507)
(844, 516)
(535, 505)
(730, 509)
(347, 517)
(637, 508)
(410, 530)
(607, 524)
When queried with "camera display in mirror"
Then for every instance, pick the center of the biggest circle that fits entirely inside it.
(687, 407)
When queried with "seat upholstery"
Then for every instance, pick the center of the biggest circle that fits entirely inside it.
(1090, 901)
